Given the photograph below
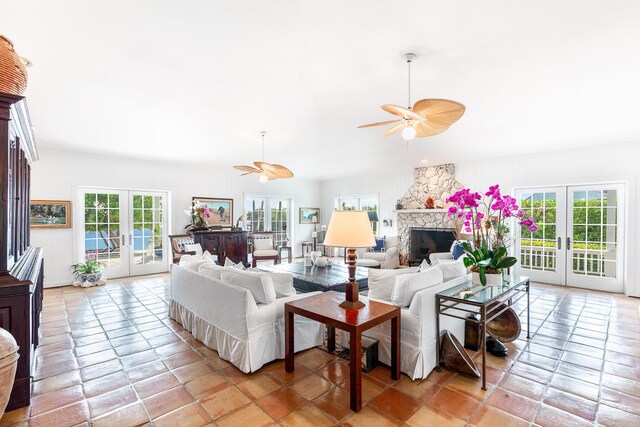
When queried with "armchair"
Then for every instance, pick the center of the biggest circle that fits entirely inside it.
(263, 248)
(178, 242)
(389, 258)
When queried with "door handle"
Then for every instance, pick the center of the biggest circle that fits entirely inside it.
(568, 243)
(559, 242)
(130, 239)
(122, 241)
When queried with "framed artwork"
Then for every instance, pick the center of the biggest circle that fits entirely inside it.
(309, 215)
(50, 214)
(221, 210)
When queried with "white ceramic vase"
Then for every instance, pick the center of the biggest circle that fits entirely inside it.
(492, 279)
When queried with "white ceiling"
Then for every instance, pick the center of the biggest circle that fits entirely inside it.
(196, 81)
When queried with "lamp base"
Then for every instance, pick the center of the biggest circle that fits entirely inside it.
(351, 301)
(352, 305)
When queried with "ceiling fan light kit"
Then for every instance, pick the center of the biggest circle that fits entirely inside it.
(266, 171)
(428, 117)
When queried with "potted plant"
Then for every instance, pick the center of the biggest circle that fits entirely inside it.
(487, 219)
(198, 215)
(88, 271)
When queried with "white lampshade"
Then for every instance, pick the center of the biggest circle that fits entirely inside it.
(350, 229)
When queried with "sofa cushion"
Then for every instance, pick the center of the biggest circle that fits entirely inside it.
(379, 247)
(210, 258)
(265, 252)
(382, 282)
(450, 269)
(191, 261)
(408, 284)
(229, 263)
(259, 284)
(210, 270)
(194, 247)
(283, 282)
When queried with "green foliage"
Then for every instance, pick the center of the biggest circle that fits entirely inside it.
(88, 267)
(484, 258)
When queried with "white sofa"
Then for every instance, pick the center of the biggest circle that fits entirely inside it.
(387, 259)
(418, 330)
(226, 318)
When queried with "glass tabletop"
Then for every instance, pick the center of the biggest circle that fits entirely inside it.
(479, 294)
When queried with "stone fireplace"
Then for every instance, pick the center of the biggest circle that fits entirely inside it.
(425, 241)
(434, 181)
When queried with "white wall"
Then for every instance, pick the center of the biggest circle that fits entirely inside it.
(57, 175)
(589, 165)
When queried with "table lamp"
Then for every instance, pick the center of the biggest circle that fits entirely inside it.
(350, 230)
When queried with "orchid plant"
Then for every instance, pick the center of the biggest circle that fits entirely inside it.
(199, 214)
(487, 217)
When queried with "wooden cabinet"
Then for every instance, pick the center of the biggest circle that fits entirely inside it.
(21, 265)
(224, 244)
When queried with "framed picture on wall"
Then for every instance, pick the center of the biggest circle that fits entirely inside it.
(309, 215)
(50, 214)
(221, 210)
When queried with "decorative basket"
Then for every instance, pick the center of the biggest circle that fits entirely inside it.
(13, 73)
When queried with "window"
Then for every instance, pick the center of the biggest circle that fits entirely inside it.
(268, 214)
(360, 203)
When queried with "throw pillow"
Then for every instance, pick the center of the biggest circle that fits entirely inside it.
(259, 284)
(210, 270)
(423, 266)
(451, 269)
(457, 250)
(209, 258)
(229, 263)
(408, 285)
(182, 242)
(195, 247)
(192, 262)
(283, 282)
(379, 247)
(382, 281)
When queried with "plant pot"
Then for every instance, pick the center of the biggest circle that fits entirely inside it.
(89, 277)
(493, 279)
(13, 73)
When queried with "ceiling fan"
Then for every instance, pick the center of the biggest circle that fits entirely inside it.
(428, 117)
(266, 171)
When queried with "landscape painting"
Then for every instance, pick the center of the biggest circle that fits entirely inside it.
(50, 214)
(221, 211)
(309, 215)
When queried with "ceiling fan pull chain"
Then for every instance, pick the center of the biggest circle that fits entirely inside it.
(409, 83)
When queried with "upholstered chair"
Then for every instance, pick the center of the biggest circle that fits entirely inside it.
(263, 248)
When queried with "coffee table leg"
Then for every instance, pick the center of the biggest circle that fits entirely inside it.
(331, 339)
(288, 344)
(483, 331)
(355, 366)
(395, 348)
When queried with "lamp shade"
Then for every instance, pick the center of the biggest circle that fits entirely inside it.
(373, 215)
(350, 229)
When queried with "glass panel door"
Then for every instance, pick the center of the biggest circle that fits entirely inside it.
(541, 255)
(148, 254)
(279, 219)
(103, 224)
(595, 244)
(255, 209)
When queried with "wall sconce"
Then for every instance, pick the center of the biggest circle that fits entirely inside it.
(387, 222)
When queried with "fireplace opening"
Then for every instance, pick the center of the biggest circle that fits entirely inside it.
(425, 241)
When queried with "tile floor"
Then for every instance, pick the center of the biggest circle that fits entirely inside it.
(111, 357)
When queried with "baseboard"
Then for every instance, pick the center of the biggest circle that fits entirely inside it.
(56, 284)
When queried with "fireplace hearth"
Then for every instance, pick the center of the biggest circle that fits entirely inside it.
(425, 241)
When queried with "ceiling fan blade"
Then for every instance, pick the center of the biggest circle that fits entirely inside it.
(388, 122)
(394, 129)
(424, 130)
(282, 171)
(248, 169)
(402, 112)
(439, 112)
(266, 167)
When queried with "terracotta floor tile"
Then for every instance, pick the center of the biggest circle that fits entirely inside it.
(488, 416)
(312, 386)
(106, 384)
(420, 389)
(250, 415)
(308, 415)
(396, 404)
(155, 385)
(167, 401)
(288, 378)
(280, 403)
(335, 403)
(571, 403)
(314, 358)
(66, 416)
(548, 416)
(382, 373)
(192, 415)
(624, 385)
(539, 361)
(108, 402)
(578, 372)
(622, 359)
(142, 372)
(471, 387)
(224, 402)
(173, 348)
(55, 369)
(336, 372)
(127, 349)
(582, 360)
(523, 386)
(440, 377)
(368, 417)
(181, 359)
(513, 404)
(622, 370)
(430, 416)
(130, 415)
(101, 369)
(622, 401)
(56, 399)
(454, 403)
(138, 359)
(203, 387)
(56, 382)
(259, 386)
(613, 417)
(192, 371)
(17, 416)
(575, 386)
(370, 388)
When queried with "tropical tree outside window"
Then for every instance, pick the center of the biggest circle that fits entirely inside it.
(355, 203)
(268, 214)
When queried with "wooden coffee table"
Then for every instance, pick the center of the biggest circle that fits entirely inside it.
(323, 279)
(324, 308)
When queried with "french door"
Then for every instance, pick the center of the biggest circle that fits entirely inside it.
(124, 229)
(580, 240)
(268, 214)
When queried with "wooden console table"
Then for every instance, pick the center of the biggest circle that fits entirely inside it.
(324, 308)
(224, 244)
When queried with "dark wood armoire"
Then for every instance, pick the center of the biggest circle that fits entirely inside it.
(224, 244)
(21, 265)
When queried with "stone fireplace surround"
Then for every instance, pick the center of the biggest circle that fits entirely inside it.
(433, 181)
